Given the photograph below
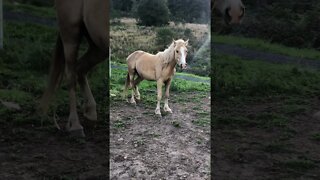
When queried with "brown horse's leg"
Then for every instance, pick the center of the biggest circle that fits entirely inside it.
(92, 57)
(159, 96)
(166, 106)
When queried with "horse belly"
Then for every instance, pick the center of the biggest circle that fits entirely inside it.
(145, 71)
(147, 75)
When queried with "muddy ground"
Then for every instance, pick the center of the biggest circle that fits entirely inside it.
(244, 148)
(34, 152)
(144, 146)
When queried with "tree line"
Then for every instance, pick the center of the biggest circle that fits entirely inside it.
(160, 12)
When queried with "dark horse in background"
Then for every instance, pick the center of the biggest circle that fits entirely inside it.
(78, 19)
(232, 11)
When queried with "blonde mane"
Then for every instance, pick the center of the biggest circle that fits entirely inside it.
(167, 55)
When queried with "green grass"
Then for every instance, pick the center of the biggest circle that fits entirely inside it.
(202, 121)
(235, 76)
(47, 12)
(261, 45)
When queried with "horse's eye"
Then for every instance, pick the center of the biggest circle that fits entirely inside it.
(177, 51)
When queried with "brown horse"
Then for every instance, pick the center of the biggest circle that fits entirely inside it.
(78, 19)
(159, 67)
(231, 10)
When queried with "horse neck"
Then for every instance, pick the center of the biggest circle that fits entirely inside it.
(167, 56)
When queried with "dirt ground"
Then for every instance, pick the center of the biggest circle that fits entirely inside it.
(29, 152)
(144, 146)
(247, 151)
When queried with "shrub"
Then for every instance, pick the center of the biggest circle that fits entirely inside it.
(164, 37)
(153, 12)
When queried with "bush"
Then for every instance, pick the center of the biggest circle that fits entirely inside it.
(164, 37)
(153, 13)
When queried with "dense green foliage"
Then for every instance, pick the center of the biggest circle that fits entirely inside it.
(293, 23)
(193, 11)
(153, 13)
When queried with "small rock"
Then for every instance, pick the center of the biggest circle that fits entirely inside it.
(120, 139)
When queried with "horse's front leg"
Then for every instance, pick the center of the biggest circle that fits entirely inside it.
(166, 105)
(73, 125)
(159, 95)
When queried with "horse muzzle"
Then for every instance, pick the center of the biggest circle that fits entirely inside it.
(183, 66)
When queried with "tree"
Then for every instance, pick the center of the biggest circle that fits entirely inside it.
(153, 12)
(195, 11)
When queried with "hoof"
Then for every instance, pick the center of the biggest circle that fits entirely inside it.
(168, 111)
(159, 115)
(78, 133)
(133, 102)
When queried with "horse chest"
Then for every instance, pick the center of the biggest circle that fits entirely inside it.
(168, 73)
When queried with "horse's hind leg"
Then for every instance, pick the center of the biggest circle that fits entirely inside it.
(92, 57)
(136, 89)
(166, 99)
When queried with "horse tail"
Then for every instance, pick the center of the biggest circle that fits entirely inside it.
(56, 75)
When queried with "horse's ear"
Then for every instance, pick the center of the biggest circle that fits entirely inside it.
(174, 42)
(186, 43)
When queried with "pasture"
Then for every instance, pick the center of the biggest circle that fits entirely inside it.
(262, 115)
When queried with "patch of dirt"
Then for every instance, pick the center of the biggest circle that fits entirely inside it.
(252, 152)
(144, 146)
(29, 152)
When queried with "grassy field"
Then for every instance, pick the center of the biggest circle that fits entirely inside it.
(46, 12)
(261, 45)
(262, 119)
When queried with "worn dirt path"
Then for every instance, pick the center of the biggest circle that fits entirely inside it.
(144, 146)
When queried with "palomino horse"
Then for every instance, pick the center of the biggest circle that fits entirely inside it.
(231, 10)
(159, 67)
(78, 19)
